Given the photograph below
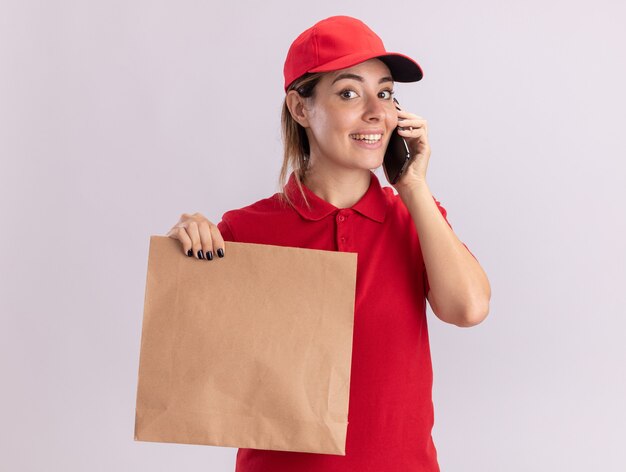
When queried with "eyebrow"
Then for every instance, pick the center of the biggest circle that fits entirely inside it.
(359, 78)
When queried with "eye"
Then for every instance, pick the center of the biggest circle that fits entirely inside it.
(386, 94)
(348, 94)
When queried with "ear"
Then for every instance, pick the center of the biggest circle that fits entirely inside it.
(297, 108)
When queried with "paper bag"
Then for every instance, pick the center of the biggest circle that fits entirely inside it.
(252, 350)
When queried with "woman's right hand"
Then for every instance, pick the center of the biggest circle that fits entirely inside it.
(198, 236)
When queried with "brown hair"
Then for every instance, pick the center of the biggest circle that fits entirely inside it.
(296, 148)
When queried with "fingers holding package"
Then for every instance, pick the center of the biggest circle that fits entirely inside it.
(198, 236)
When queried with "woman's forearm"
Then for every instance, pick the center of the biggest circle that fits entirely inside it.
(459, 288)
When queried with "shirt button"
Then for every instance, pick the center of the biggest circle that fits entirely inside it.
(341, 217)
(343, 240)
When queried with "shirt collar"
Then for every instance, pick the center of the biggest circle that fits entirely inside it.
(373, 204)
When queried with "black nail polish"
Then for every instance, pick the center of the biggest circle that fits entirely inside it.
(220, 252)
(200, 254)
(209, 255)
(190, 253)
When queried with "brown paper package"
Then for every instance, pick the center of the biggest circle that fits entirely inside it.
(252, 350)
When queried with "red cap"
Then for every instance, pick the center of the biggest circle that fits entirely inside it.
(339, 42)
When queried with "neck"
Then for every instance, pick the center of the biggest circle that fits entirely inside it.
(341, 188)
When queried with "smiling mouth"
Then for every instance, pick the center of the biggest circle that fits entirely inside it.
(368, 138)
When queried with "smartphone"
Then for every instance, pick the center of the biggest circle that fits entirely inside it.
(397, 157)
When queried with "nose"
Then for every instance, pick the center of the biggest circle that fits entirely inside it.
(375, 110)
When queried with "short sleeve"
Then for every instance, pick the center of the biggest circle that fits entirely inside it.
(225, 231)
(444, 213)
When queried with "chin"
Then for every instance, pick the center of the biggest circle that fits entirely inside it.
(367, 161)
(375, 162)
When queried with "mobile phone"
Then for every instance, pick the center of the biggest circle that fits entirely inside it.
(397, 157)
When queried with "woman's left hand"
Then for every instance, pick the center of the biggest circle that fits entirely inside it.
(414, 129)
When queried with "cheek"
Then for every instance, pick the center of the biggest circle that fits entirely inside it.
(392, 119)
(321, 121)
(332, 126)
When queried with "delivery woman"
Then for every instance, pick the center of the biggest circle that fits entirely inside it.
(338, 117)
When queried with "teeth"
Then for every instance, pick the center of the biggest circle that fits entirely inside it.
(369, 138)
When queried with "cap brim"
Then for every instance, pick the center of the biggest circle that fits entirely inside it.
(403, 68)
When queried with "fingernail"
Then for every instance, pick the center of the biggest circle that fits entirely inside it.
(190, 253)
(220, 252)
(200, 254)
(209, 255)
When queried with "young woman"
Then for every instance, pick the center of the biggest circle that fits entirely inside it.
(338, 116)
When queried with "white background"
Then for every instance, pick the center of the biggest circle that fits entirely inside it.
(117, 116)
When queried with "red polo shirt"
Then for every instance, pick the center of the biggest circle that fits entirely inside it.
(390, 412)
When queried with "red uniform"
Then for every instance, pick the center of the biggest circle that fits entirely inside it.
(390, 411)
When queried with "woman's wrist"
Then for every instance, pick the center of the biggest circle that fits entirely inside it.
(407, 190)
